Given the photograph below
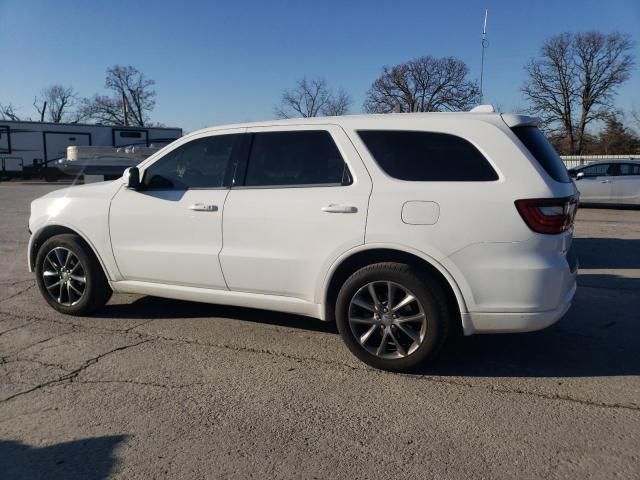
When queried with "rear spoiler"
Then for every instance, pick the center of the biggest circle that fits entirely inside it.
(511, 119)
(515, 120)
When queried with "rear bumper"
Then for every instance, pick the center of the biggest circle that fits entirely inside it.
(519, 286)
(512, 322)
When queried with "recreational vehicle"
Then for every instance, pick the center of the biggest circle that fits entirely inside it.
(31, 148)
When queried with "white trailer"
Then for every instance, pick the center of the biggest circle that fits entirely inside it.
(27, 148)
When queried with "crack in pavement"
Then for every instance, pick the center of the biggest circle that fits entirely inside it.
(39, 343)
(17, 294)
(74, 326)
(519, 391)
(74, 373)
(33, 360)
(144, 384)
(17, 282)
(331, 362)
(127, 330)
(16, 328)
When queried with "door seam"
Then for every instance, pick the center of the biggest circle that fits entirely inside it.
(224, 204)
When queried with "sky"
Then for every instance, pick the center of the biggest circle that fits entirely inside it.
(217, 62)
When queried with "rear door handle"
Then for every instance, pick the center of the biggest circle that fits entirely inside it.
(201, 207)
(335, 208)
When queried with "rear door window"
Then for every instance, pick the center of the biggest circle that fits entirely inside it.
(629, 169)
(533, 139)
(295, 158)
(427, 156)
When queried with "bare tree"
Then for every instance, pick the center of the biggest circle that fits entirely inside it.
(311, 98)
(131, 102)
(574, 80)
(8, 112)
(635, 118)
(337, 104)
(424, 84)
(103, 109)
(55, 103)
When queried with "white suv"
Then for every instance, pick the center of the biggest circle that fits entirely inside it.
(402, 228)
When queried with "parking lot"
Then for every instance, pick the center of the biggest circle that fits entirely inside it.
(154, 388)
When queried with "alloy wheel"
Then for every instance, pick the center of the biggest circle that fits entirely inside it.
(387, 320)
(64, 276)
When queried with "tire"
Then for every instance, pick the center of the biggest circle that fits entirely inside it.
(53, 265)
(420, 338)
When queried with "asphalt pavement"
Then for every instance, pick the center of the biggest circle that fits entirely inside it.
(155, 388)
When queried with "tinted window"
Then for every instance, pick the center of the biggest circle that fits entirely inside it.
(131, 134)
(629, 169)
(543, 152)
(200, 163)
(599, 170)
(427, 156)
(295, 158)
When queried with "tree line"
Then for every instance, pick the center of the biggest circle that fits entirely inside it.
(571, 84)
(129, 101)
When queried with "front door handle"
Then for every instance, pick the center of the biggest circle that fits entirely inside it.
(335, 208)
(202, 207)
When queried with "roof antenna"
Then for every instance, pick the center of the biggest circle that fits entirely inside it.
(485, 44)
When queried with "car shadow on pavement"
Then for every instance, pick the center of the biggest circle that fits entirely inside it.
(613, 253)
(165, 308)
(89, 458)
(599, 336)
(613, 282)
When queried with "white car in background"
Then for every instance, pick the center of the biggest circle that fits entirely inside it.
(610, 182)
(401, 228)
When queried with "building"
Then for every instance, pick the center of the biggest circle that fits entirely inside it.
(27, 148)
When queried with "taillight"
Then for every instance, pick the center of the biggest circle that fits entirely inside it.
(548, 215)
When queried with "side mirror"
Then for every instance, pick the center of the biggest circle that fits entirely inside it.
(578, 176)
(132, 178)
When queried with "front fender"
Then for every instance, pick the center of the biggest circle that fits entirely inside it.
(83, 210)
(47, 231)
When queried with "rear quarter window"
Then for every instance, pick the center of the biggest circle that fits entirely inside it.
(533, 139)
(427, 156)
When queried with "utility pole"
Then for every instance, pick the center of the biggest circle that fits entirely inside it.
(124, 109)
(484, 45)
(44, 109)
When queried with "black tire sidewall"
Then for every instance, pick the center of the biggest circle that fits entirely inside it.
(93, 273)
(426, 291)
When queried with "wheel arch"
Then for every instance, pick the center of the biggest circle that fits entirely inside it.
(350, 263)
(49, 231)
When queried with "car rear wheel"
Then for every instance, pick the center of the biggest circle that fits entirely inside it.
(70, 277)
(392, 316)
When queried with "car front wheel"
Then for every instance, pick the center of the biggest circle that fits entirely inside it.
(70, 277)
